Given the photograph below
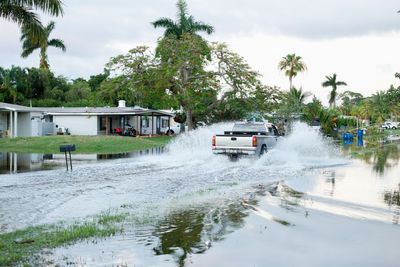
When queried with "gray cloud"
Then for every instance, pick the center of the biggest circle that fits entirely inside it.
(92, 29)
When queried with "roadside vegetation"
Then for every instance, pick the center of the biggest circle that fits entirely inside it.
(84, 144)
(19, 246)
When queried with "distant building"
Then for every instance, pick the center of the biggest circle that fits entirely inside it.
(21, 121)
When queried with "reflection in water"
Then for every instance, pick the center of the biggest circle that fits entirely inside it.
(180, 234)
(380, 155)
(392, 198)
(192, 231)
(11, 162)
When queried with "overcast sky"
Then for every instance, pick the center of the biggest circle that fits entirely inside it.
(357, 39)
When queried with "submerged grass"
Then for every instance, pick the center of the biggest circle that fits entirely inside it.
(84, 144)
(17, 247)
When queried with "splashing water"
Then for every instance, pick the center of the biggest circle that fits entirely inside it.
(305, 147)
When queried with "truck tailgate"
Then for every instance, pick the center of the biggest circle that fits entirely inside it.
(232, 141)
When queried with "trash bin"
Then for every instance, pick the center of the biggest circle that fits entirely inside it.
(360, 133)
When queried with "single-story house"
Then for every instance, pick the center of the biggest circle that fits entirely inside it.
(18, 120)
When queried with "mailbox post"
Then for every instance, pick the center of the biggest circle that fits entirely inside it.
(65, 149)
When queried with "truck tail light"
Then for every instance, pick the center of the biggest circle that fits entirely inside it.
(254, 141)
(214, 143)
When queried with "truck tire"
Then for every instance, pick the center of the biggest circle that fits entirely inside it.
(170, 132)
(263, 150)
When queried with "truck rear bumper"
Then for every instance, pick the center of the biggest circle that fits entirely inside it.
(234, 151)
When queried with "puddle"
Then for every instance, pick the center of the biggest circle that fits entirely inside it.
(11, 162)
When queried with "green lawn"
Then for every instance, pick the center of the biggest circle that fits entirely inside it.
(84, 144)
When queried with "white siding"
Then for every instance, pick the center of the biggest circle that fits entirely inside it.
(24, 124)
(77, 125)
(3, 121)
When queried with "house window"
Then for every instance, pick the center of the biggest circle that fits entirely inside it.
(146, 122)
(164, 123)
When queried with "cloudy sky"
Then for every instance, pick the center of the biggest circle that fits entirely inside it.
(357, 39)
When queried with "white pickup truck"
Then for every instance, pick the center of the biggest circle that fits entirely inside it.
(246, 139)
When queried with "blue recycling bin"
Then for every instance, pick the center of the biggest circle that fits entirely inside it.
(347, 138)
(360, 133)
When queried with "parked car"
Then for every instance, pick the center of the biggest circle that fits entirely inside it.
(174, 127)
(390, 125)
(246, 139)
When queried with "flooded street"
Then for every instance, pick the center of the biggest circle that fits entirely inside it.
(304, 203)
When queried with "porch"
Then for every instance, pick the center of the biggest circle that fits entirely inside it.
(153, 123)
(8, 123)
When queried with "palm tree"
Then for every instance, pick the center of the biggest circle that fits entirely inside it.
(292, 65)
(294, 100)
(184, 24)
(331, 82)
(29, 45)
(21, 12)
(297, 96)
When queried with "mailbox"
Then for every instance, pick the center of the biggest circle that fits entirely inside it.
(67, 148)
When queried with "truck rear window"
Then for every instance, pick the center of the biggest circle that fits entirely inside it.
(249, 127)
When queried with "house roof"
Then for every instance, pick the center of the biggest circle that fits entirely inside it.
(12, 107)
(104, 111)
(85, 111)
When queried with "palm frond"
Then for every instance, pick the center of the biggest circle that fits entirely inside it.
(182, 8)
(200, 26)
(18, 14)
(164, 23)
(28, 50)
(51, 7)
(50, 27)
(58, 43)
(341, 83)
(326, 84)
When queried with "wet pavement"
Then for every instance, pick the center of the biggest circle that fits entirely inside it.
(305, 203)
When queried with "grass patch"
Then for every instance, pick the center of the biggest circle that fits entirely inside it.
(84, 144)
(16, 247)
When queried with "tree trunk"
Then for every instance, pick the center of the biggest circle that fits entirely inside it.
(189, 119)
(290, 82)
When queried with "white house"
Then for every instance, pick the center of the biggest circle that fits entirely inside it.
(18, 120)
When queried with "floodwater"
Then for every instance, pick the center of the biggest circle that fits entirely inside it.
(11, 162)
(305, 203)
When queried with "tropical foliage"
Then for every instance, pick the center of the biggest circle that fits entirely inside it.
(332, 82)
(292, 65)
(21, 12)
(29, 44)
(185, 23)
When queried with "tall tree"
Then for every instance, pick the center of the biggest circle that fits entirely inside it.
(22, 13)
(349, 100)
(184, 24)
(292, 64)
(332, 82)
(183, 55)
(43, 43)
